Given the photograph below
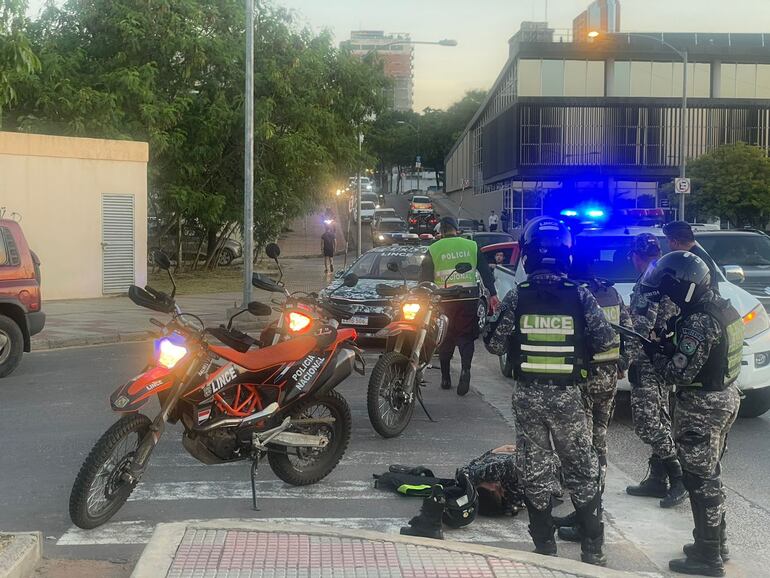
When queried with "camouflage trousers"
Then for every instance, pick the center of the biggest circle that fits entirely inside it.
(599, 403)
(703, 420)
(650, 409)
(544, 413)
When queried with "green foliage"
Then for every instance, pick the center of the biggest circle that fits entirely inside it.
(733, 182)
(17, 59)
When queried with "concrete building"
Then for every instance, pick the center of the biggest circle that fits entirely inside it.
(570, 122)
(396, 59)
(82, 204)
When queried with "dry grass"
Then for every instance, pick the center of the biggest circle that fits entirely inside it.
(222, 280)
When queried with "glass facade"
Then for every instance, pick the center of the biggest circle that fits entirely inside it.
(660, 79)
(745, 81)
(560, 77)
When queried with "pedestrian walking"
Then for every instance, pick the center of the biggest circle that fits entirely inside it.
(493, 221)
(704, 360)
(681, 237)
(601, 386)
(329, 248)
(554, 326)
(440, 262)
(650, 393)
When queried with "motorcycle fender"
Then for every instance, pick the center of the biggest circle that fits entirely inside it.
(395, 328)
(134, 394)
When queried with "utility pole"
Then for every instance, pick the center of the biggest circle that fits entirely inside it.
(358, 196)
(248, 161)
(683, 134)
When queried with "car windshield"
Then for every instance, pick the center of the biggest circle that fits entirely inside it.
(424, 200)
(374, 265)
(367, 206)
(466, 224)
(743, 250)
(484, 239)
(390, 226)
(610, 256)
(385, 212)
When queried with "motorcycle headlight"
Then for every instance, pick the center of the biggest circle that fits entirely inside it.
(168, 353)
(755, 322)
(410, 310)
(298, 322)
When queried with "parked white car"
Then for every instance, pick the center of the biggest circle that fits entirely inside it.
(611, 247)
(367, 212)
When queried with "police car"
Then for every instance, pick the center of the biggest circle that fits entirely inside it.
(373, 311)
(609, 249)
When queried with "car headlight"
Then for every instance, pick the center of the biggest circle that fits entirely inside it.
(169, 353)
(381, 237)
(410, 310)
(755, 322)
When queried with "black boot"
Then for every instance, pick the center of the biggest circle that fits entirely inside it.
(570, 533)
(465, 381)
(446, 376)
(654, 485)
(541, 529)
(565, 521)
(677, 493)
(704, 559)
(427, 523)
(724, 549)
(592, 532)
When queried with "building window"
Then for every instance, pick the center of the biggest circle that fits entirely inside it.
(745, 81)
(635, 195)
(560, 77)
(661, 79)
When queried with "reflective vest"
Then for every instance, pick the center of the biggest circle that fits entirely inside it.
(446, 254)
(724, 362)
(549, 338)
(610, 302)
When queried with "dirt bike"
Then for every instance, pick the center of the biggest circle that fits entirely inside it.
(236, 402)
(410, 341)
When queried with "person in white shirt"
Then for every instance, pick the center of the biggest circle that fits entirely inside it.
(493, 220)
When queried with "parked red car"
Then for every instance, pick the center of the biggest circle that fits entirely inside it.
(21, 314)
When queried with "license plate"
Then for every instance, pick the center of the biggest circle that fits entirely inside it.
(355, 320)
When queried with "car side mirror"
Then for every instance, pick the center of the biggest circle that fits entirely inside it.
(393, 266)
(350, 280)
(161, 260)
(734, 274)
(463, 268)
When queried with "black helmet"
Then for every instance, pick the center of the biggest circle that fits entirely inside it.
(546, 243)
(680, 275)
(446, 224)
(462, 502)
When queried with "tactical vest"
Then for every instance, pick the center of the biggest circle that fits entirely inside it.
(549, 338)
(610, 302)
(724, 362)
(447, 254)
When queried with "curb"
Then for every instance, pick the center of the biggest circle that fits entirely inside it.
(19, 558)
(159, 553)
(62, 342)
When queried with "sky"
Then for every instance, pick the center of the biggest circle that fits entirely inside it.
(482, 29)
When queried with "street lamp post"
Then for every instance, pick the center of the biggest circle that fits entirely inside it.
(248, 161)
(683, 133)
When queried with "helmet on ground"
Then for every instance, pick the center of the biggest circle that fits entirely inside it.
(462, 502)
(447, 224)
(546, 243)
(680, 275)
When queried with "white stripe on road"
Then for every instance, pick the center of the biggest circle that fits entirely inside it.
(273, 489)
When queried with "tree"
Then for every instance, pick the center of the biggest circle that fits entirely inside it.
(733, 182)
(17, 59)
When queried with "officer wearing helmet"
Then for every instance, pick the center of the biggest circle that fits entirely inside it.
(704, 360)
(649, 391)
(439, 263)
(553, 326)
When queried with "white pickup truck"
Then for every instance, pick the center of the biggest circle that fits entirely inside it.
(609, 249)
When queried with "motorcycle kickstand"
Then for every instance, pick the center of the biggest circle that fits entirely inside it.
(422, 405)
(254, 466)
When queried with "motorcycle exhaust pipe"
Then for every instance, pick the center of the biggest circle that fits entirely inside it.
(238, 421)
(342, 369)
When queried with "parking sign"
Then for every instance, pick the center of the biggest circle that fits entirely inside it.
(682, 186)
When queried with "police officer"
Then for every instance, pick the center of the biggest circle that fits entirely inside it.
(554, 326)
(438, 265)
(649, 391)
(704, 361)
(680, 237)
(601, 386)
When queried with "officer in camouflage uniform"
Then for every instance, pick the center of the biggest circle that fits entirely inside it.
(649, 391)
(554, 326)
(704, 361)
(494, 475)
(600, 388)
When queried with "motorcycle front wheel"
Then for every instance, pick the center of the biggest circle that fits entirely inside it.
(389, 405)
(300, 466)
(100, 489)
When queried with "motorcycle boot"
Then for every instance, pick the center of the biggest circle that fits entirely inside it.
(654, 485)
(592, 532)
(677, 493)
(541, 529)
(446, 376)
(704, 558)
(724, 549)
(427, 524)
(465, 381)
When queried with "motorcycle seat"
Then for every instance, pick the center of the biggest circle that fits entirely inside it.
(256, 359)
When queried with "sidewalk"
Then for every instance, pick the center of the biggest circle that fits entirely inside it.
(79, 322)
(248, 548)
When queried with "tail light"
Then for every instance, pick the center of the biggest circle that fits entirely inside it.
(298, 322)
